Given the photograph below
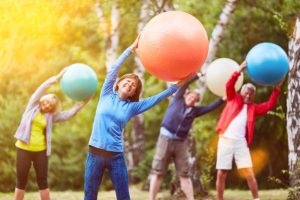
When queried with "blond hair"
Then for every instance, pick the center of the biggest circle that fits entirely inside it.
(52, 97)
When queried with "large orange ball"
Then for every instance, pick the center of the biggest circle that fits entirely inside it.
(173, 45)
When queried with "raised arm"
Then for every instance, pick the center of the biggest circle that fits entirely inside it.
(263, 108)
(112, 74)
(65, 115)
(145, 104)
(181, 91)
(201, 110)
(42, 89)
(230, 90)
(149, 102)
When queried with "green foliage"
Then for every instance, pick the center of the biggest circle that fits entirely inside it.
(39, 38)
(141, 172)
(207, 13)
(137, 194)
(293, 191)
(206, 141)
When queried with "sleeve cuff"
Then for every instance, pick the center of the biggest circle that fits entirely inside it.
(237, 73)
(174, 86)
(129, 50)
(277, 89)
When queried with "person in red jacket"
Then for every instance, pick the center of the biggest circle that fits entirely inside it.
(235, 128)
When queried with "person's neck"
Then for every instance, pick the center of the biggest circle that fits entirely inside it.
(122, 96)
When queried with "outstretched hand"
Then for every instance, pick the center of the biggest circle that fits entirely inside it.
(186, 79)
(87, 101)
(135, 44)
(280, 83)
(61, 73)
(243, 65)
(201, 74)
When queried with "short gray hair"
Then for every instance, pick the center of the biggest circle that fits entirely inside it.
(248, 86)
(196, 91)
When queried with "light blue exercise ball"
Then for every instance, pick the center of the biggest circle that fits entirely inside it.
(79, 82)
(267, 63)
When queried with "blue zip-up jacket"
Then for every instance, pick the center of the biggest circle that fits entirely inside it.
(178, 120)
(113, 113)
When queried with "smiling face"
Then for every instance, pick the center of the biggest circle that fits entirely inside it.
(127, 87)
(48, 104)
(191, 99)
(248, 95)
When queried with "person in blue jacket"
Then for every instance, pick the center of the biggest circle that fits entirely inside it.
(172, 142)
(117, 105)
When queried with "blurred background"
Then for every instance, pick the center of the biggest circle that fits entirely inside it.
(39, 38)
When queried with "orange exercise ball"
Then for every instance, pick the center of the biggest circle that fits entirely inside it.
(172, 45)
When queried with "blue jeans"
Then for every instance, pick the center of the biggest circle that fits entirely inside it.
(94, 169)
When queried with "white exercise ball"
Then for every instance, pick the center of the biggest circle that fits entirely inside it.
(219, 72)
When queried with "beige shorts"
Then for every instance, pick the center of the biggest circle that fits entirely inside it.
(229, 149)
(168, 150)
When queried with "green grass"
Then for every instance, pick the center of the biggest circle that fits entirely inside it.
(263, 195)
(137, 194)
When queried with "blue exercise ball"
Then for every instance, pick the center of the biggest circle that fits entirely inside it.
(267, 63)
(79, 82)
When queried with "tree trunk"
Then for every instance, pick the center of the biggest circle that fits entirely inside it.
(219, 29)
(110, 32)
(137, 151)
(214, 42)
(159, 6)
(163, 6)
(293, 111)
(216, 37)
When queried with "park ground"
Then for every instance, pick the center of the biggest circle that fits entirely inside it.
(137, 194)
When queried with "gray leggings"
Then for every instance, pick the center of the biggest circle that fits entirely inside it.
(40, 164)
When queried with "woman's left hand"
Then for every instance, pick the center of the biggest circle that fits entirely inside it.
(135, 44)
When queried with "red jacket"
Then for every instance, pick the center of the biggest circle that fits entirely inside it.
(235, 104)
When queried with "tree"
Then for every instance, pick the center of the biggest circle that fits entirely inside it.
(218, 31)
(214, 42)
(110, 32)
(293, 111)
(216, 37)
(135, 151)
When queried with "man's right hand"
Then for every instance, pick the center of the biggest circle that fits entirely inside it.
(135, 44)
(243, 65)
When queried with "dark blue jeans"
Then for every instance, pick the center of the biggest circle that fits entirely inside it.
(94, 169)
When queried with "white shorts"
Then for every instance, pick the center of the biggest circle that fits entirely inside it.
(232, 148)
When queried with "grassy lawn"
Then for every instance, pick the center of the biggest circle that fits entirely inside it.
(137, 194)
